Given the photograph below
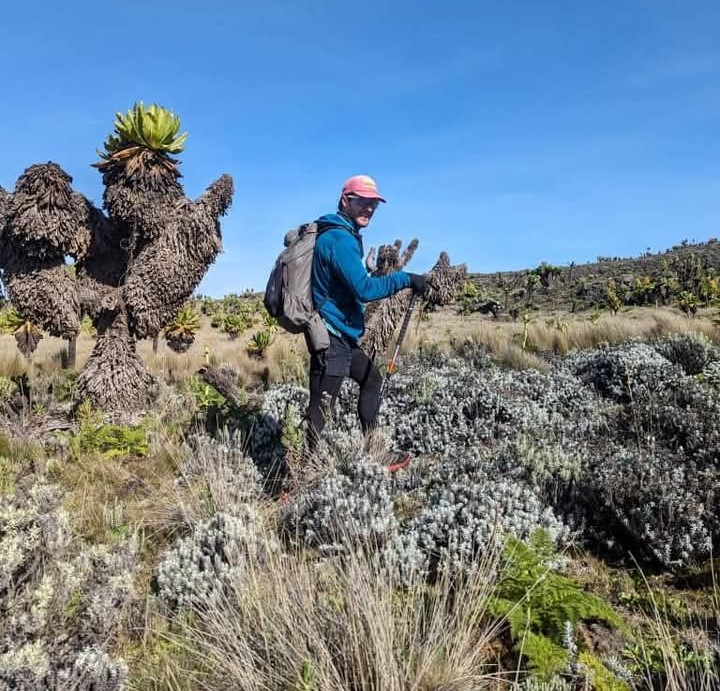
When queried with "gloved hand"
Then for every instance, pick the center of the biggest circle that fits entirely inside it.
(418, 283)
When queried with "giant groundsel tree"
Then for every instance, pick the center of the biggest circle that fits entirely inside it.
(136, 262)
(384, 316)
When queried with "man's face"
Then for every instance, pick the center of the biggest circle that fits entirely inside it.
(360, 209)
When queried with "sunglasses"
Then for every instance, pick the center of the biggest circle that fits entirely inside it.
(363, 201)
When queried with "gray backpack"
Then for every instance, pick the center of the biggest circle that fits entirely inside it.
(288, 294)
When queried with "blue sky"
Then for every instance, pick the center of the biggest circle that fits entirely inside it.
(504, 133)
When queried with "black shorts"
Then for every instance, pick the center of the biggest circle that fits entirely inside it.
(339, 356)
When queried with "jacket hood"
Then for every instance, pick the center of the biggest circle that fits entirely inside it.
(335, 220)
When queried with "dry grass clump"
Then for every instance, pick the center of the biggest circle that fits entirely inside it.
(46, 358)
(294, 623)
(288, 620)
(556, 334)
(560, 336)
(112, 497)
(12, 363)
(514, 344)
(285, 360)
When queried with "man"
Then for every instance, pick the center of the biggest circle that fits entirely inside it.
(340, 286)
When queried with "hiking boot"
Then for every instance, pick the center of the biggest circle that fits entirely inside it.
(396, 460)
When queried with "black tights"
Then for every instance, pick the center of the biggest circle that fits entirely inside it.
(363, 371)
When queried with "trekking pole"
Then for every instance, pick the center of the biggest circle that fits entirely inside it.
(392, 365)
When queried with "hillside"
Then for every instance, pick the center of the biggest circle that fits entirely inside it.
(683, 272)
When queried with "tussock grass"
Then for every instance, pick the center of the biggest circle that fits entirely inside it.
(562, 336)
(286, 359)
(499, 341)
(108, 497)
(556, 334)
(288, 620)
(12, 363)
(292, 623)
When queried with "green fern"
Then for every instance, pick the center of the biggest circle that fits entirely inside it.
(546, 657)
(93, 436)
(537, 602)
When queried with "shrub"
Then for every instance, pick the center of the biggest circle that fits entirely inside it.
(347, 509)
(48, 586)
(619, 371)
(265, 426)
(681, 414)
(466, 510)
(196, 570)
(222, 464)
(667, 507)
(691, 351)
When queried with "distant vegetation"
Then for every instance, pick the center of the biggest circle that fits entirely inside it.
(686, 276)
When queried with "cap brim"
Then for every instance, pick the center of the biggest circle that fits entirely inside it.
(370, 196)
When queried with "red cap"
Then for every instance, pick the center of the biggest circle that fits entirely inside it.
(362, 186)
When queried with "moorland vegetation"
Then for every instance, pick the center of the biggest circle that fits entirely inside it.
(556, 529)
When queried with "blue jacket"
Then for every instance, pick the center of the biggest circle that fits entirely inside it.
(340, 282)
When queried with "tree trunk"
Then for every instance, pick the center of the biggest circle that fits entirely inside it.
(69, 353)
(114, 378)
(383, 320)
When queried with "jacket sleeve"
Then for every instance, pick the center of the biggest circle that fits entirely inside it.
(347, 263)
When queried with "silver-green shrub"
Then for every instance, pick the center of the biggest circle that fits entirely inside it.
(621, 371)
(352, 507)
(230, 474)
(265, 426)
(199, 566)
(711, 375)
(468, 510)
(95, 670)
(58, 601)
(683, 415)
(691, 351)
(547, 449)
(668, 508)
